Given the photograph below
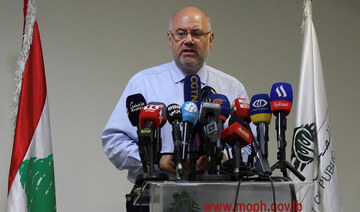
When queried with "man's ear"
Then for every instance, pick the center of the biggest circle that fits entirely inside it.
(169, 39)
(211, 40)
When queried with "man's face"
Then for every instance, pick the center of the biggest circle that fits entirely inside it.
(190, 53)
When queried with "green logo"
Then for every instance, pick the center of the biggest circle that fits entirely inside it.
(184, 202)
(37, 178)
(303, 146)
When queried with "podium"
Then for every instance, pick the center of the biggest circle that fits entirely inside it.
(220, 196)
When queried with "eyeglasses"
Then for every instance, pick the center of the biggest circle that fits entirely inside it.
(182, 34)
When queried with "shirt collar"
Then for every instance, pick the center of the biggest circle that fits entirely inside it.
(178, 75)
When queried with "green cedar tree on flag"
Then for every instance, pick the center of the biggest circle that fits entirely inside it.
(31, 177)
(312, 149)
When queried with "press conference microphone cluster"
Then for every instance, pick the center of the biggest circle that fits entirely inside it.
(198, 130)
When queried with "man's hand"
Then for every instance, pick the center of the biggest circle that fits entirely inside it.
(166, 163)
(204, 164)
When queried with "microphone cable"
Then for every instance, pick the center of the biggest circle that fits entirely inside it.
(237, 194)
(273, 191)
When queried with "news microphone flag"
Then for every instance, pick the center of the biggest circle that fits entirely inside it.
(31, 176)
(312, 148)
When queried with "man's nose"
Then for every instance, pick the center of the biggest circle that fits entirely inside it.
(189, 38)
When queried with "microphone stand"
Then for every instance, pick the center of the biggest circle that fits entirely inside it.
(282, 164)
(192, 155)
(263, 138)
(142, 151)
(147, 142)
(177, 149)
(158, 146)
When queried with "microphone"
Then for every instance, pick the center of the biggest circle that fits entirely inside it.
(237, 131)
(192, 86)
(158, 131)
(281, 97)
(260, 115)
(224, 114)
(209, 115)
(174, 114)
(190, 116)
(240, 107)
(150, 119)
(224, 105)
(206, 93)
(134, 104)
(237, 135)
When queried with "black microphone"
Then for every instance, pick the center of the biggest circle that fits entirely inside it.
(134, 104)
(174, 115)
(209, 116)
(224, 114)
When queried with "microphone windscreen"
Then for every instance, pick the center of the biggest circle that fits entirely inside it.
(173, 112)
(237, 132)
(151, 113)
(190, 112)
(206, 93)
(281, 98)
(134, 104)
(241, 107)
(163, 108)
(260, 110)
(224, 104)
(192, 89)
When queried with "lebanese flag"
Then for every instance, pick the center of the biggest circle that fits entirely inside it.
(31, 177)
(313, 154)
